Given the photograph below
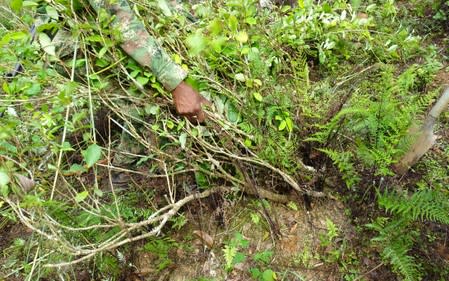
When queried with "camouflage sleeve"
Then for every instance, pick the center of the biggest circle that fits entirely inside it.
(140, 45)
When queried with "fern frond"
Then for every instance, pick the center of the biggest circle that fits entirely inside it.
(396, 254)
(425, 204)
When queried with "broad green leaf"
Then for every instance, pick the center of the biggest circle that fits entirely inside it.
(81, 196)
(92, 154)
(16, 5)
(46, 44)
(257, 96)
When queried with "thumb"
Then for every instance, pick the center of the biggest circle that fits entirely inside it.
(201, 116)
(205, 101)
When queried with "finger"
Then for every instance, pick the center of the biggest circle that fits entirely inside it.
(205, 101)
(201, 116)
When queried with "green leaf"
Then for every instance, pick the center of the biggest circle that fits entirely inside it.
(170, 124)
(251, 21)
(240, 77)
(292, 205)
(183, 140)
(81, 196)
(196, 43)
(46, 44)
(282, 125)
(142, 80)
(289, 124)
(257, 96)
(52, 13)
(164, 7)
(152, 109)
(92, 154)
(75, 169)
(16, 5)
(269, 275)
(242, 37)
(5, 87)
(233, 23)
(30, 4)
(4, 179)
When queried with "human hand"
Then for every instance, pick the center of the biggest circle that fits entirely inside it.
(188, 102)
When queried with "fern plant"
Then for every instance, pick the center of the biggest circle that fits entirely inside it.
(396, 236)
(426, 204)
(371, 131)
(395, 242)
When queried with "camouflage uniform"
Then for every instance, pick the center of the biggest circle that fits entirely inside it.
(140, 45)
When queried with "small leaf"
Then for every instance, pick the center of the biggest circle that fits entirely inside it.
(152, 109)
(251, 21)
(142, 80)
(75, 169)
(269, 275)
(289, 123)
(242, 37)
(292, 205)
(52, 13)
(170, 124)
(5, 87)
(81, 196)
(92, 154)
(240, 77)
(4, 179)
(233, 23)
(282, 125)
(257, 96)
(163, 5)
(46, 44)
(183, 140)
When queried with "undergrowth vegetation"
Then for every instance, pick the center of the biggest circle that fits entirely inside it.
(299, 94)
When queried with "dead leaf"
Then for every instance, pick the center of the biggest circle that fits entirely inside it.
(24, 182)
(205, 238)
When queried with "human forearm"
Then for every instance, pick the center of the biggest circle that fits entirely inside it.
(140, 45)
